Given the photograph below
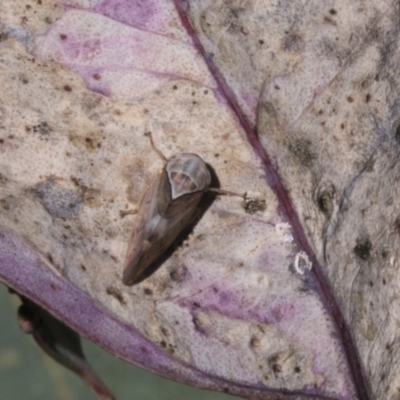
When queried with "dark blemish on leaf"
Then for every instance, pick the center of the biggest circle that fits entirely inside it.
(164, 331)
(196, 321)
(371, 284)
(206, 91)
(116, 293)
(329, 20)
(261, 42)
(4, 204)
(320, 112)
(58, 201)
(396, 225)
(63, 36)
(302, 150)
(53, 286)
(148, 291)
(91, 197)
(350, 99)
(48, 20)
(124, 213)
(362, 250)
(325, 199)
(3, 36)
(277, 368)
(397, 134)
(367, 98)
(332, 11)
(297, 370)
(174, 275)
(83, 268)
(3, 179)
(384, 281)
(76, 181)
(196, 304)
(178, 274)
(1, 141)
(342, 125)
(96, 77)
(50, 258)
(254, 342)
(163, 344)
(276, 87)
(42, 128)
(251, 205)
(175, 87)
(67, 88)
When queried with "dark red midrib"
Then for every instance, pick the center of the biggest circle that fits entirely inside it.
(289, 212)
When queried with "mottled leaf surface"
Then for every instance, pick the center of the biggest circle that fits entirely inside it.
(295, 103)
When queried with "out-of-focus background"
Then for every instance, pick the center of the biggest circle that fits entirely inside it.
(28, 373)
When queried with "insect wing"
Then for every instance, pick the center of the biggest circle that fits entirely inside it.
(158, 223)
(167, 207)
(137, 244)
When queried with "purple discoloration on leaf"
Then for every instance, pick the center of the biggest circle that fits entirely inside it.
(122, 61)
(212, 77)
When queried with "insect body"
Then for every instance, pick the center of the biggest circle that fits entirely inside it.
(166, 208)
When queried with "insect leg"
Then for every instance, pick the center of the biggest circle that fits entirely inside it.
(160, 154)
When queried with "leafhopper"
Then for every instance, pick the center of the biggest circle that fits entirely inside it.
(167, 207)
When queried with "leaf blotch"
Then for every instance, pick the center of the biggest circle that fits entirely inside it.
(301, 149)
(116, 293)
(58, 201)
(362, 250)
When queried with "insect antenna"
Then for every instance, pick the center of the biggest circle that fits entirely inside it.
(153, 146)
(226, 193)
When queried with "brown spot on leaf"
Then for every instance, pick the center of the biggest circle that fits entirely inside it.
(116, 293)
(255, 342)
(325, 199)
(362, 250)
(302, 150)
(91, 197)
